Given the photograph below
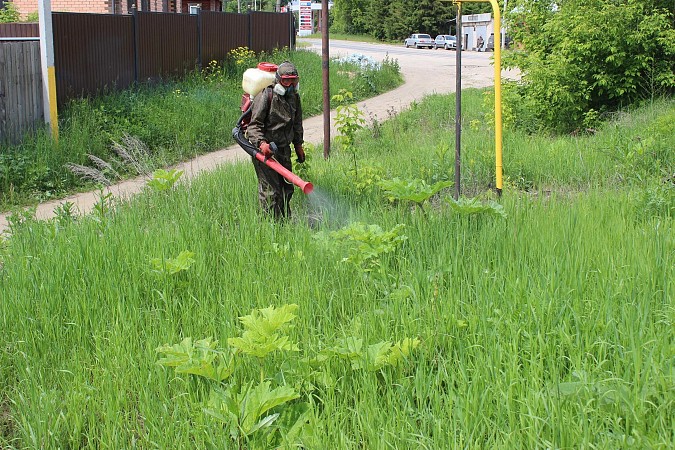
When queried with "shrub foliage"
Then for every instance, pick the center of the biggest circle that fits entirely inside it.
(583, 59)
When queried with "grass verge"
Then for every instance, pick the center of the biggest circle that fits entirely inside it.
(548, 328)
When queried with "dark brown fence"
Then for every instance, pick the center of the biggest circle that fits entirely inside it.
(269, 31)
(92, 52)
(101, 51)
(166, 44)
(221, 33)
(13, 30)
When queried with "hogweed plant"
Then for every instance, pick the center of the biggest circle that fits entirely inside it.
(265, 331)
(468, 206)
(365, 243)
(164, 180)
(171, 266)
(245, 411)
(416, 191)
(375, 357)
(260, 414)
(200, 358)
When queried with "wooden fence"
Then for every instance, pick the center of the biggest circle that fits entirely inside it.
(14, 30)
(21, 105)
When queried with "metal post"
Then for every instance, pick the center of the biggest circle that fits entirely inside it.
(200, 63)
(326, 79)
(48, 70)
(137, 42)
(458, 101)
(498, 99)
(498, 92)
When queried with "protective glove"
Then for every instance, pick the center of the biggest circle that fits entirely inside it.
(300, 153)
(265, 149)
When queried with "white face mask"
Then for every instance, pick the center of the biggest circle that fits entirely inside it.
(279, 89)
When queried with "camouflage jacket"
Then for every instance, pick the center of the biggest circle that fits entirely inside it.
(278, 121)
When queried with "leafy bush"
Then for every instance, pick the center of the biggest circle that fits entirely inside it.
(583, 59)
(9, 13)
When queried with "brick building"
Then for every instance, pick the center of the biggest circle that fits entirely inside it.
(26, 7)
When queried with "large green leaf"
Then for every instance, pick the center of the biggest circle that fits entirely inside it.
(249, 406)
(200, 358)
(416, 190)
(265, 331)
(474, 206)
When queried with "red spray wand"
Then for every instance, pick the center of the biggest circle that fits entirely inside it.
(249, 148)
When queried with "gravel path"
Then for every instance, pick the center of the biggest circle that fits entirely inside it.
(425, 72)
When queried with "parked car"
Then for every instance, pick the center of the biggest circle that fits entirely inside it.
(445, 41)
(490, 47)
(419, 40)
(491, 42)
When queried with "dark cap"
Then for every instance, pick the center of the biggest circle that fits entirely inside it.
(287, 68)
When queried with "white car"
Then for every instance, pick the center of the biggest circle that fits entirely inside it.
(445, 41)
(419, 40)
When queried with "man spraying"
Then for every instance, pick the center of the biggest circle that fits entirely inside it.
(277, 117)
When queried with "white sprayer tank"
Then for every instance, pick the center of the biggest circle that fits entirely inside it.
(257, 79)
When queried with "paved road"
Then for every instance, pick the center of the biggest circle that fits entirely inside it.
(425, 72)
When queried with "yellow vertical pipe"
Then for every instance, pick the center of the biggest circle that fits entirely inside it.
(53, 111)
(498, 88)
(498, 96)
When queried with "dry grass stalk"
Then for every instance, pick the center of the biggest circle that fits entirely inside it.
(133, 152)
(89, 173)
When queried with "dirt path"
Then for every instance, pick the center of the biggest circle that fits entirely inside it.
(425, 72)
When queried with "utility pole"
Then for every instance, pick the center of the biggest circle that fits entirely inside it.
(326, 79)
(48, 71)
(458, 100)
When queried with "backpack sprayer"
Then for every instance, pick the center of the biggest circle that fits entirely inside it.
(255, 80)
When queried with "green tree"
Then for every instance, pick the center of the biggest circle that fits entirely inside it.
(349, 16)
(9, 13)
(394, 20)
(582, 58)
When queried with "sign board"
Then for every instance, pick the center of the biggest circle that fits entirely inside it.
(305, 18)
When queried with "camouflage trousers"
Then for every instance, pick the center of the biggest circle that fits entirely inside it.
(274, 191)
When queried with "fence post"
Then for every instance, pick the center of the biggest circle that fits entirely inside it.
(134, 21)
(199, 39)
(250, 31)
(291, 29)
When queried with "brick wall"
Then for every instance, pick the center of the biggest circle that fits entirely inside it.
(26, 7)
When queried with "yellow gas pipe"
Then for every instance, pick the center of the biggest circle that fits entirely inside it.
(498, 88)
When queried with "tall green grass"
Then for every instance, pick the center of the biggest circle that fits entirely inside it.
(175, 119)
(552, 328)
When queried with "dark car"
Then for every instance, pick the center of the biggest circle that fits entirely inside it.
(445, 41)
(490, 47)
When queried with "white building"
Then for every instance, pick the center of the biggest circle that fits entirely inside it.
(474, 25)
